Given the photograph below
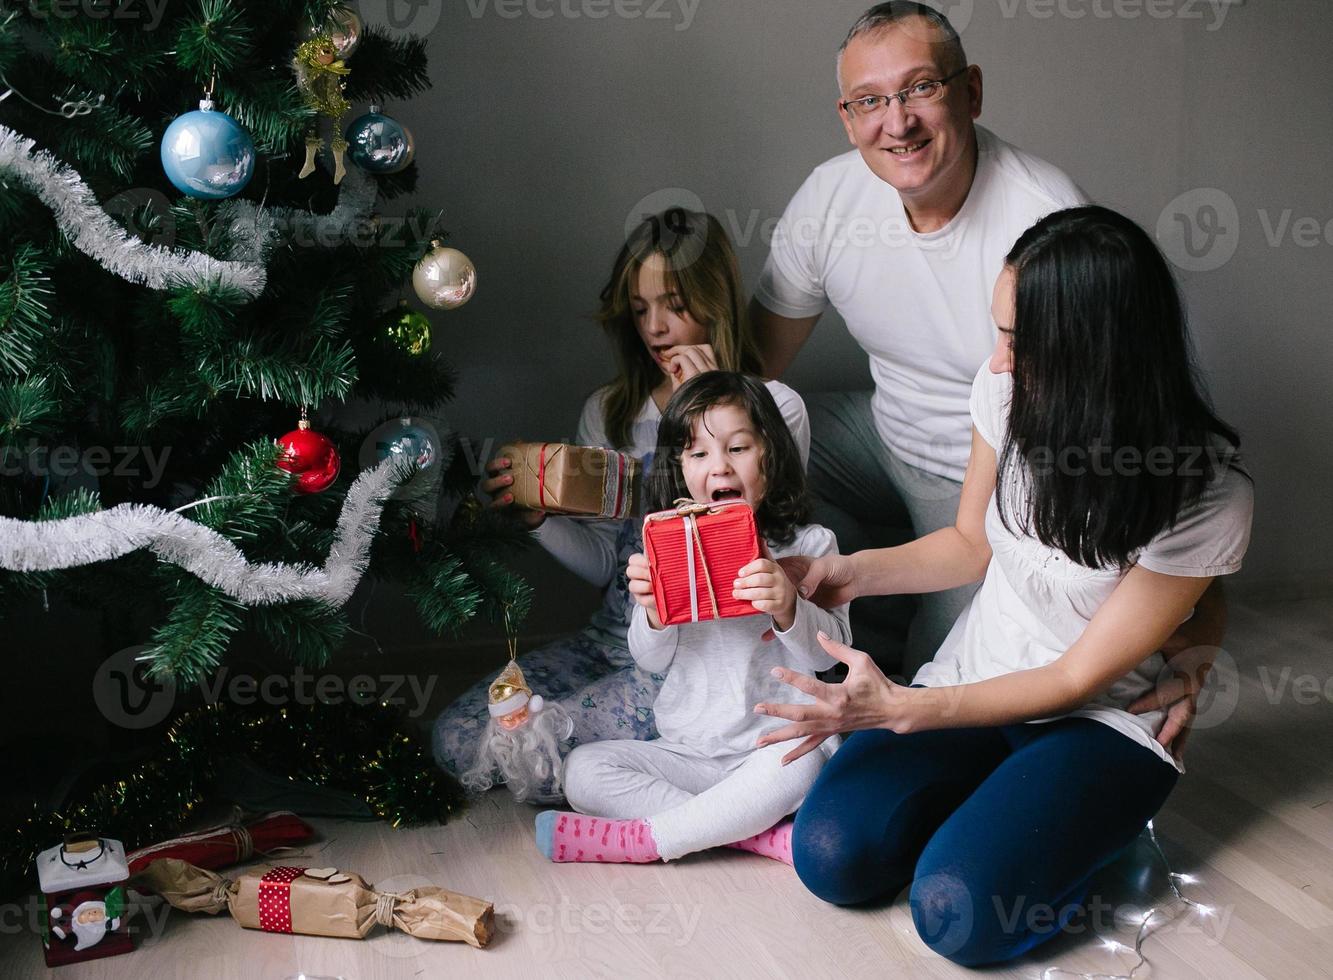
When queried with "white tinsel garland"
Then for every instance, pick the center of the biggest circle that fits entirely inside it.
(254, 230)
(94, 233)
(43, 546)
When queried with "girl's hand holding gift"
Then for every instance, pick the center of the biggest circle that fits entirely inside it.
(496, 487)
(827, 581)
(765, 585)
(640, 579)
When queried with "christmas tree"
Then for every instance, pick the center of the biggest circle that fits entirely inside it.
(179, 283)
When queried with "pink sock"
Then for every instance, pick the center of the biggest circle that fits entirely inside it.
(773, 843)
(565, 837)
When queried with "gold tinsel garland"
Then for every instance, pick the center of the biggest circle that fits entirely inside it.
(360, 749)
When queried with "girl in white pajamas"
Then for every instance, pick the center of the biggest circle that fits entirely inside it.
(703, 783)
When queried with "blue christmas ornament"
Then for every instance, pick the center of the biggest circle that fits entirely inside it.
(380, 144)
(409, 440)
(208, 154)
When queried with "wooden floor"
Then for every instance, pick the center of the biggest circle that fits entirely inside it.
(1253, 820)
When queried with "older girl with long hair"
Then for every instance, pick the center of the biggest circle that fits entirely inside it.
(673, 307)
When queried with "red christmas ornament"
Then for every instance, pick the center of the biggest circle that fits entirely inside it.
(311, 456)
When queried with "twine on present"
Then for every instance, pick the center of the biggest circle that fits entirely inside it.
(384, 906)
(245, 842)
(689, 511)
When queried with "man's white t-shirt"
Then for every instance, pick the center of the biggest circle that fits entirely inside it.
(919, 304)
(1035, 602)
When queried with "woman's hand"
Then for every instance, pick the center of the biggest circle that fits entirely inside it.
(865, 699)
(684, 363)
(640, 577)
(1189, 653)
(495, 487)
(828, 582)
(1177, 691)
(764, 584)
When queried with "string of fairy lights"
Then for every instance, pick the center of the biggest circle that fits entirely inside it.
(1146, 922)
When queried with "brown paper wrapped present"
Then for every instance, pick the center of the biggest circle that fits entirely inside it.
(319, 902)
(574, 480)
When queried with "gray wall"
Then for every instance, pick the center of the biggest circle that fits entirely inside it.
(543, 135)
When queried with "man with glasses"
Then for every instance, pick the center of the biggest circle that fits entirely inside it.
(905, 237)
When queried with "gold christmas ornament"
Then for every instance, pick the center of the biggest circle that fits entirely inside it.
(321, 76)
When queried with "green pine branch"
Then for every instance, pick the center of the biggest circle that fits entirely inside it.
(445, 595)
(11, 41)
(108, 141)
(142, 412)
(217, 39)
(28, 410)
(75, 503)
(205, 313)
(289, 370)
(403, 183)
(385, 67)
(24, 316)
(192, 639)
(97, 52)
(306, 631)
(251, 489)
(271, 108)
(501, 588)
(417, 384)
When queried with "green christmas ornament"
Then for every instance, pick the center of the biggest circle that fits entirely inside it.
(407, 329)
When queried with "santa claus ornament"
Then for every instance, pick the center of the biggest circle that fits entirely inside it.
(83, 899)
(521, 745)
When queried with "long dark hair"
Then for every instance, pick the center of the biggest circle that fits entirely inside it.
(785, 506)
(701, 268)
(1103, 369)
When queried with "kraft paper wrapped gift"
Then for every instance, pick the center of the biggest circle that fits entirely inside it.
(319, 902)
(573, 480)
(695, 552)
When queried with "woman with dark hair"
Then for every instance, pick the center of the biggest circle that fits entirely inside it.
(1102, 497)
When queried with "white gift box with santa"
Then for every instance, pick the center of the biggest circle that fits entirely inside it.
(83, 899)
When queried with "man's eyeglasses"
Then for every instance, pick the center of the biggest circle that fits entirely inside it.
(913, 97)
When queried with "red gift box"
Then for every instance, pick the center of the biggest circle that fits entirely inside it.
(695, 552)
(230, 843)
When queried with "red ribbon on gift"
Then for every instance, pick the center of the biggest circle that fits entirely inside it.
(275, 899)
(541, 476)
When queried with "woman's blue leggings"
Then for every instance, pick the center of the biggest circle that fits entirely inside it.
(997, 830)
